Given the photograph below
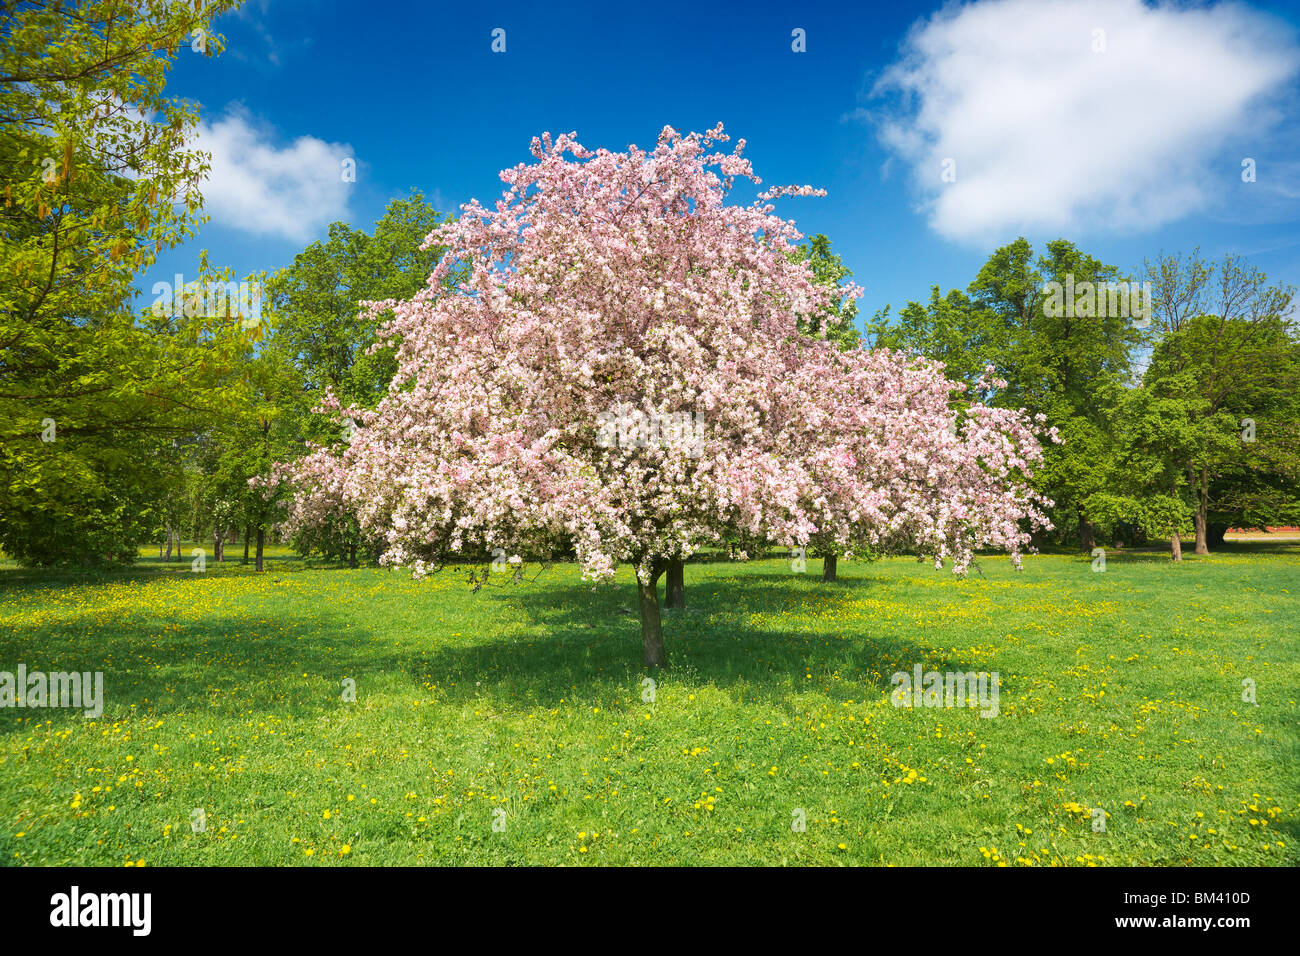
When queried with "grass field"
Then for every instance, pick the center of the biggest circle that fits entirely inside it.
(1120, 691)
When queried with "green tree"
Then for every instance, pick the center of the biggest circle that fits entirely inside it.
(259, 430)
(1059, 362)
(98, 174)
(1227, 349)
(315, 301)
(839, 322)
(1140, 488)
(323, 343)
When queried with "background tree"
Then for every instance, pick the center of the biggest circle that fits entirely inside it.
(1227, 346)
(259, 431)
(1055, 363)
(834, 322)
(317, 301)
(327, 343)
(98, 174)
(1141, 488)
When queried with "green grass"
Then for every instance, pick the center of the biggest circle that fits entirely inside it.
(1120, 691)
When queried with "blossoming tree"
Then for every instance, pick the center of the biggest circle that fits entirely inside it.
(903, 464)
(621, 372)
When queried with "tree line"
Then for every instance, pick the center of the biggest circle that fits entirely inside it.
(123, 423)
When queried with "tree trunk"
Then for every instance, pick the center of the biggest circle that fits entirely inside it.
(1175, 547)
(1087, 535)
(261, 539)
(828, 566)
(1199, 519)
(652, 631)
(352, 553)
(1216, 534)
(169, 547)
(675, 585)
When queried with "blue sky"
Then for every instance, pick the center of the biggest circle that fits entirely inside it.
(1129, 142)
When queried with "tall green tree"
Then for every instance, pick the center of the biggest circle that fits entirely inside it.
(1059, 362)
(315, 301)
(1227, 348)
(99, 172)
(260, 429)
(1141, 489)
(322, 342)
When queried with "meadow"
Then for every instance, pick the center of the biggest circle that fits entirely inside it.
(514, 725)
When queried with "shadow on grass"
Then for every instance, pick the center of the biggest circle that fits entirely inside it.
(220, 666)
(151, 569)
(589, 646)
(579, 643)
(1158, 551)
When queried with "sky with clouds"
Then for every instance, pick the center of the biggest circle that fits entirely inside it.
(940, 131)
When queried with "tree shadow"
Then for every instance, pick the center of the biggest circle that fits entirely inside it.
(1156, 551)
(1265, 546)
(221, 664)
(795, 583)
(592, 646)
(146, 569)
(580, 643)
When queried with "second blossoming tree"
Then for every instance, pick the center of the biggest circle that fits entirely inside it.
(603, 286)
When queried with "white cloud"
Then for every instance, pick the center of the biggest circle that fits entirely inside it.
(1049, 135)
(254, 186)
